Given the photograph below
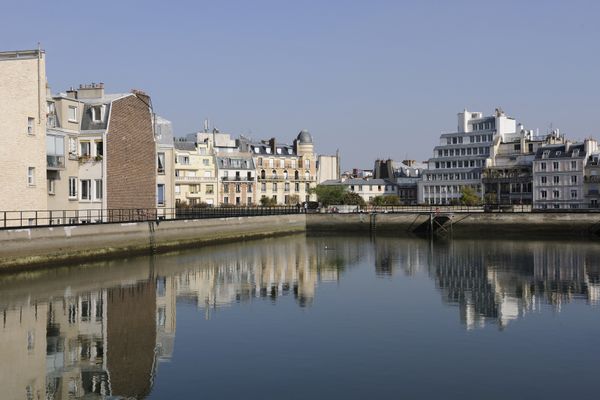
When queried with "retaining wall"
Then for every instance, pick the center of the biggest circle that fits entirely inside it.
(534, 225)
(52, 245)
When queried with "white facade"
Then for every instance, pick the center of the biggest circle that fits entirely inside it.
(459, 159)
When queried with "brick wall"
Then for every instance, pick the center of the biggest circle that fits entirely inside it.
(130, 155)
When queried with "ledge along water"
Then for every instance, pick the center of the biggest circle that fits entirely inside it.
(28, 247)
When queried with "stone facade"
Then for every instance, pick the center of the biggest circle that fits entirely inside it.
(23, 127)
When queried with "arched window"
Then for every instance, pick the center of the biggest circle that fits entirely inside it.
(296, 175)
(307, 175)
(285, 174)
(274, 174)
(263, 174)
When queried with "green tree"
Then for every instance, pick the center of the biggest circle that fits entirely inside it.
(391, 200)
(468, 196)
(352, 199)
(329, 194)
(267, 201)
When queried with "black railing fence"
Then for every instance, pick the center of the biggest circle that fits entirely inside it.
(42, 218)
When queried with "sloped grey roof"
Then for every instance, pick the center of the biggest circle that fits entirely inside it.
(88, 124)
(235, 161)
(558, 151)
(358, 181)
(304, 136)
(185, 145)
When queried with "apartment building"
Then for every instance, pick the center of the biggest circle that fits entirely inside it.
(285, 173)
(195, 179)
(102, 152)
(367, 188)
(460, 157)
(236, 174)
(165, 162)
(405, 174)
(558, 175)
(508, 175)
(591, 181)
(23, 126)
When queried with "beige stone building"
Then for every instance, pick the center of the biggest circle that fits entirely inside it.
(23, 126)
(195, 177)
(285, 173)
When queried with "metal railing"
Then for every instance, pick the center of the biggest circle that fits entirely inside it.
(47, 218)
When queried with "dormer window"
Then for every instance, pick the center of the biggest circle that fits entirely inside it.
(268, 150)
(96, 113)
(576, 153)
(558, 153)
(546, 154)
(256, 150)
(279, 150)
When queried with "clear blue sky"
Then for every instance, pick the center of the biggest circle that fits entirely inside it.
(372, 78)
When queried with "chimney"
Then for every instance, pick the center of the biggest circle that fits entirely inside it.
(273, 146)
(72, 93)
(91, 91)
(409, 163)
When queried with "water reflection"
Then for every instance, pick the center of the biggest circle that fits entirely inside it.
(104, 329)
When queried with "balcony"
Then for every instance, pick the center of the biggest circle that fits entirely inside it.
(194, 179)
(592, 179)
(237, 179)
(271, 178)
(593, 193)
(55, 162)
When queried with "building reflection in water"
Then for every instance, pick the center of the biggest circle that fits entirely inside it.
(103, 330)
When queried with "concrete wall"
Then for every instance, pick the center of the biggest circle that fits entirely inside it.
(473, 225)
(27, 247)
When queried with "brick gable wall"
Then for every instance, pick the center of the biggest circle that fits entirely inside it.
(130, 155)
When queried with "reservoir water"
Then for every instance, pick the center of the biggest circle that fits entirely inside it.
(301, 317)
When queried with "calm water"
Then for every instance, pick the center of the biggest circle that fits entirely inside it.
(299, 318)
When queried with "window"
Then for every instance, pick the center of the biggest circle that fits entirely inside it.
(543, 194)
(286, 187)
(296, 187)
(573, 194)
(263, 187)
(226, 187)
(31, 176)
(238, 188)
(98, 189)
(556, 180)
(30, 126)
(205, 162)
(177, 189)
(281, 163)
(72, 187)
(573, 164)
(86, 189)
(72, 147)
(249, 188)
(72, 114)
(96, 113)
(99, 148)
(249, 201)
(555, 194)
(274, 186)
(543, 166)
(160, 194)
(260, 161)
(574, 179)
(555, 165)
(210, 189)
(85, 149)
(307, 164)
(225, 200)
(544, 180)
(161, 163)
(51, 186)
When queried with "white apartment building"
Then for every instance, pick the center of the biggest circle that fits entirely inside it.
(460, 157)
(367, 188)
(558, 175)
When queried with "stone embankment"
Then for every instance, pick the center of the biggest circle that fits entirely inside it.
(59, 245)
